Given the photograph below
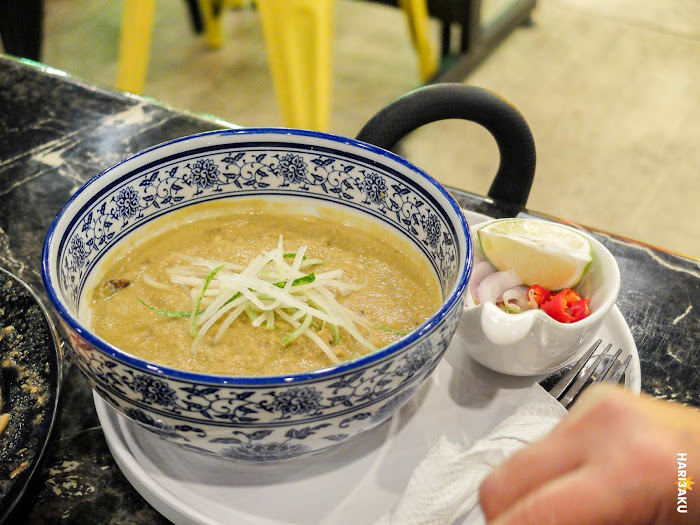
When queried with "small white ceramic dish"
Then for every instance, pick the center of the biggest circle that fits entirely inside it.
(531, 342)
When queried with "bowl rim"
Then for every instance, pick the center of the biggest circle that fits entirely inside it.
(448, 303)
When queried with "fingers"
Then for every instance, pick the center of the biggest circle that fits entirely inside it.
(581, 496)
(564, 450)
(598, 393)
(634, 488)
(643, 411)
(525, 471)
(602, 464)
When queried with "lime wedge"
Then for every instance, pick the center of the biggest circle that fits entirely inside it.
(539, 252)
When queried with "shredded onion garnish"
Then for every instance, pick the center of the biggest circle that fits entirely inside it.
(267, 289)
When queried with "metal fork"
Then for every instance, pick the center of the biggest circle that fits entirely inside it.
(587, 370)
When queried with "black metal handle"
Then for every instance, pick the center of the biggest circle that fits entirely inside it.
(449, 101)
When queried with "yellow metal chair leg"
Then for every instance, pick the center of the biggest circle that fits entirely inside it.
(299, 40)
(135, 44)
(212, 11)
(211, 16)
(418, 22)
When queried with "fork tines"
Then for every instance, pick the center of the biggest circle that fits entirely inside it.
(590, 369)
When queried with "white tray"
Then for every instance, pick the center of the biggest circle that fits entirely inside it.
(354, 483)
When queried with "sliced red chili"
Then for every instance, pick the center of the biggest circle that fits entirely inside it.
(537, 294)
(570, 295)
(567, 306)
(580, 309)
(557, 307)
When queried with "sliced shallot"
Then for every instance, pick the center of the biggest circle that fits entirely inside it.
(515, 299)
(479, 272)
(493, 285)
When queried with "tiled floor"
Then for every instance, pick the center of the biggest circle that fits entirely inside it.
(611, 89)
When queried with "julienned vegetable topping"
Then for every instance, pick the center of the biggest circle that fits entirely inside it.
(267, 290)
(531, 264)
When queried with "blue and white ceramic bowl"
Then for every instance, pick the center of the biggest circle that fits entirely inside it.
(258, 419)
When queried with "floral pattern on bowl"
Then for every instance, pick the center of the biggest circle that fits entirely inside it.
(223, 172)
(265, 418)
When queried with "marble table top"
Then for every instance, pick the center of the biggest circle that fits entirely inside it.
(56, 133)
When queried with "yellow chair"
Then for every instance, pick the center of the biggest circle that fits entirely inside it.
(299, 39)
(417, 17)
(135, 44)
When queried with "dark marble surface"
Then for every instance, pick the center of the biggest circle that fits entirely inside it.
(56, 133)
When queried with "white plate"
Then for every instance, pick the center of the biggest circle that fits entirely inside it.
(354, 483)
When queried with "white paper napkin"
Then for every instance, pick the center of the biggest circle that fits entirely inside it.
(445, 484)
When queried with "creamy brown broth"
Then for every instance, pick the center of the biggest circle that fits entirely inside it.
(401, 290)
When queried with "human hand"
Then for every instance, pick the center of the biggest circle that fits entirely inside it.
(616, 458)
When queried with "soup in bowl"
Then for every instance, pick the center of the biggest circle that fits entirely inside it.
(258, 294)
